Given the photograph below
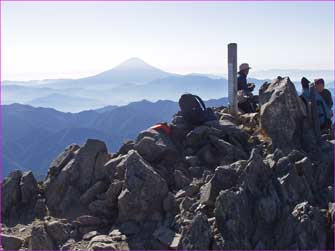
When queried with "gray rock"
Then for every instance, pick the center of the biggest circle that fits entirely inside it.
(40, 209)
(102, 242)
(101, 171)
(40, 240)
(234, 219)
(90, 235)
(170, 204)
(11, 194)
(181, 180)
(100, 208)
(197, 235)
(58, 231)
(29, 188)
(113, 192)
(10, 242)
(167, 237)
(225, 177)
(282, 112)
(92, 192)
(64, 189)
(143, 192)
(88, 220)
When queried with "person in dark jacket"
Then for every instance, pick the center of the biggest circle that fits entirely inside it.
(242, 83)
(249, 102)
(324, 93)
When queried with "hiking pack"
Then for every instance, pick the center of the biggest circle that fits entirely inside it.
(194, 111)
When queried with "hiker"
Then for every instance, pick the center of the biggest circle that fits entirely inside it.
(247, 102)
(324, 93)
(194, 111)
(322, 108)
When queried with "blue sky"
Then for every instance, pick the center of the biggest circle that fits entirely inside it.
(75, 39)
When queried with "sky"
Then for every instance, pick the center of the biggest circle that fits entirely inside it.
(42, 40)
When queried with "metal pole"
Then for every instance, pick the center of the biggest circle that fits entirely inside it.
(232, 77)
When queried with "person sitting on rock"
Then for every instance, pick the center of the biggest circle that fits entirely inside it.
(247, 102)
(322, 108)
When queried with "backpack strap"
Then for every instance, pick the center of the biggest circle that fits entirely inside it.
(202, 104)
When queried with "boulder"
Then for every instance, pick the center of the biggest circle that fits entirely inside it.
(197, 235)
(10, 242)
(29, 188)
(40, 240)
(305, 227)
(167, 237)
(225, 177)
(113, 192)
(180, 180)
(58, 231)
(92, 192)
(63, 190)
(88, 220)
(11, 194)
(102, 242)
(281, 114)
(143, 192)
(234, 219)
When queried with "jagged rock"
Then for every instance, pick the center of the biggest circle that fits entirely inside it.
(62, 159)
(305, 228)
(102, 242)
(126, 147)
(90, 235)
(77, 175)
(11, 194)
(282, 112)
(109, 168)
(197, 235)
(40, 240)
(234, 219)
(88, 220)
(143, 192)
(180, 179)
(113, 192)
(100, 208)
(170, 204)
(167, 237)
(10, 242)
(40, 209)
(224, 178)
(58, 231)
(92, 192)
(100, 170)
(68, 245)
(29, 188)
(153, 145)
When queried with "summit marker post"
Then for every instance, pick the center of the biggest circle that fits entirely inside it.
(232, 77)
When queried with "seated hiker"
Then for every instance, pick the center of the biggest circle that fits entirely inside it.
(322, 108)
(247, 102)
(194, 111)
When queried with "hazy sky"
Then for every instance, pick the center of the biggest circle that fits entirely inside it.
(74, 39)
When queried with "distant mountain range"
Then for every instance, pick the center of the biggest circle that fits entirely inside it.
(128, 82)
(32, 137)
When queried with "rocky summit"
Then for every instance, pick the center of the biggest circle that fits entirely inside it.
(248, 181)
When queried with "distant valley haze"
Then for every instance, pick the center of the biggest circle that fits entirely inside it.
(127, 82)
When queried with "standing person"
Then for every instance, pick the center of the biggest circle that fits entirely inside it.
(322, 108)
(247, 102)
(324, 93)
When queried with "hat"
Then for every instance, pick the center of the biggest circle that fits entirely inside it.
(319, 81)
(244, 66)
(305, 83)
